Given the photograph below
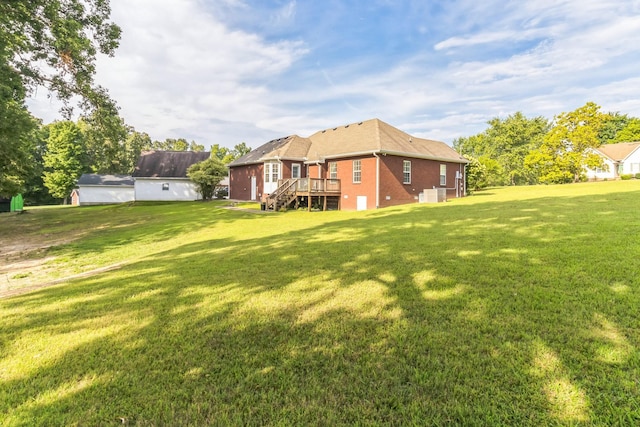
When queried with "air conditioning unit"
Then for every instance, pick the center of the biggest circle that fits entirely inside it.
(434, 195)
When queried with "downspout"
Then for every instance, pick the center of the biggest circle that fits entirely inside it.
(464, 179)
(377, 179)
(458, 181)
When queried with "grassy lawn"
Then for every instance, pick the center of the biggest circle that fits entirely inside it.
(516, 306)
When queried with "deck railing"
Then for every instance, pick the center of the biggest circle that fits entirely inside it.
(313, 185)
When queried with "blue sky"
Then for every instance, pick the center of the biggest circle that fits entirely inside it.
(231, 71)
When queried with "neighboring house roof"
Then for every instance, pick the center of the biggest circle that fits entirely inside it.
(350, 140)
(618, 152)
(167, 164)
(113, 180)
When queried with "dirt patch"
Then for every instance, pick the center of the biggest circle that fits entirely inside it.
(6, 293)
(26, 248)
(23, 267)
(26, 263)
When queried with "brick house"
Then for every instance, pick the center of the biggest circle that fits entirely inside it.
(359, 166)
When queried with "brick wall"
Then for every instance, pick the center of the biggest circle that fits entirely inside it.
(425, 174)
(240, 181)
(350, 190)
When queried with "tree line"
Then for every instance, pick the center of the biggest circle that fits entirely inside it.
(56, 154)
(53, 44)
(517, 150)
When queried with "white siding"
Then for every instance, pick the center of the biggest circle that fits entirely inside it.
(178, 190)
(632, 163)
(603, 173)
(97, 195)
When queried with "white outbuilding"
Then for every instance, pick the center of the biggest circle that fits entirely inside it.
(95, 189)
(162, 175)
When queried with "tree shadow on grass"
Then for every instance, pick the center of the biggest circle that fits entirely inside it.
(425, 316)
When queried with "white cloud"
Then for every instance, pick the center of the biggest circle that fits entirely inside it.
(184, 71)
(179, 65)
(286, 13)
(487, 37)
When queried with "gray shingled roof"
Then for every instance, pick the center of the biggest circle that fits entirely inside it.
(167, 164)
(113, 180)
(290, 147)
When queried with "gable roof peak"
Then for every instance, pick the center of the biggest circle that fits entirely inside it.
(291, 147)
(619, 151)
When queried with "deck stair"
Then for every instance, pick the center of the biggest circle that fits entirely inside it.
(295, 189)
(283, 196)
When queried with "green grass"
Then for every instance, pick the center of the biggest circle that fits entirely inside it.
(516, 306)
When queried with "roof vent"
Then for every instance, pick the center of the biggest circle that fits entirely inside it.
(324, 131)
(346, 126)
(335, 128)
(359, 123)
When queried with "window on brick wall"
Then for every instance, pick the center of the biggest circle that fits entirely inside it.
(406, 172)
(295, 170)
(357, 171)
(443, 174)
(267, 172)
(333, 170)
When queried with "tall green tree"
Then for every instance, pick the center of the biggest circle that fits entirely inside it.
(179, 144)
(105, 136)
(503, 146)
(631, 131)
(135, 143)
(240, 150)
(566, 149)
(221, 153)
(17, 129)
(194, 146)
(476, 175)
(51, 44)
(65, 158)
(228, 155)
(54, 43)
(36, 193)
(207, 175)
(612, 123)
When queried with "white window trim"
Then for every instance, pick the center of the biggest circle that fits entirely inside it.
(405, 172)
(293, 166)
(443, 176)
(268, 171)
(333, 174)
(359, 171)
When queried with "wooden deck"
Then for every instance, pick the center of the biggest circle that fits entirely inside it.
(304, 191)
